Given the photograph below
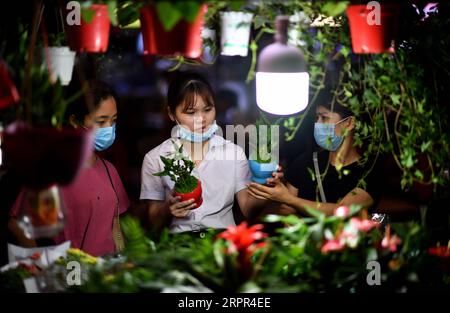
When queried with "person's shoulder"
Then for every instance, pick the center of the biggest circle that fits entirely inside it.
(161, 149)
(305, 159)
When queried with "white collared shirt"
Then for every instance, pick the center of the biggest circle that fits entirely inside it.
(223, 172)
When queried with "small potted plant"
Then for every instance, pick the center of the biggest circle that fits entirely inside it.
(92, 32)
(262, 164)
(59, 58)
(173, 28)
(179, 169)
(370, 35)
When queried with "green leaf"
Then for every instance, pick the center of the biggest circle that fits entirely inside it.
(189, 9)
(112, 8)
(168, 14)
(334, 8)
(315, 213)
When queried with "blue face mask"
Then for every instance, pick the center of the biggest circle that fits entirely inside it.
(188, 135)
(104, 137)
(325, 136)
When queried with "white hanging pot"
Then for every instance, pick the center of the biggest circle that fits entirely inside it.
(235, 33)
(61, 61)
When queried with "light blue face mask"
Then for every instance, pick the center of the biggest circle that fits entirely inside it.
(325, 136)
(104, 137)
(188, 135)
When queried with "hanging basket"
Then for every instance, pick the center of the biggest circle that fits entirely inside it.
(61, 61)
(43, 156)
(368, 36)
(93, 36)
(184, 39)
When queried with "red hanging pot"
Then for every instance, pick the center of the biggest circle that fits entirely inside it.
(8, 91)
(43, 156)
(367, 36)
(184, 39)
(195, 194)
(93, 36)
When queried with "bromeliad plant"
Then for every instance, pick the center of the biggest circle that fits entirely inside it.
(179, 169)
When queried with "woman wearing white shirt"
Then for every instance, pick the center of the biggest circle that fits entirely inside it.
(221, 166)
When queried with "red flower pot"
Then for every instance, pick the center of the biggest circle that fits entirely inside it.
(8, 91)
(195, 194)
(93, 36)
(368, 38)
(43, 156)
(185, 38)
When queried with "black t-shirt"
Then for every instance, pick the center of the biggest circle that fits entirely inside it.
(336, 185)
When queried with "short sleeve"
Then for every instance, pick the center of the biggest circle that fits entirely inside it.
(372, 186)
(152, 187)
(242, 171)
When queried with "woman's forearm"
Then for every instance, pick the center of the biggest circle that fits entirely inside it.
(159, 215)
(301, 205)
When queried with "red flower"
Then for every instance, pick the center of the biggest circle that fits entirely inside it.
(242, 238)
(333, 245)
(342, 211)
(363, 225)
(390, 242)
(443, 252)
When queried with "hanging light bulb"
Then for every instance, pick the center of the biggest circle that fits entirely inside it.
(282, 80)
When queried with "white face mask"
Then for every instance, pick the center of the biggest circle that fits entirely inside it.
(188, 135)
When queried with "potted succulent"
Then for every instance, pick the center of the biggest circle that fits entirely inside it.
(179, 169)
(262, 163)
(91, 34)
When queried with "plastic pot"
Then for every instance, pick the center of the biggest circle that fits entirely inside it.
(184, 39)
(93, 36)
(367, 36)
(262, 171)
(195, 194)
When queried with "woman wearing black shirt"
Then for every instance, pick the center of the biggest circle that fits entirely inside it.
(344, 180)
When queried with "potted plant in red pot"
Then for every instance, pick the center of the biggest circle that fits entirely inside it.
(90, 32)
(373, 31)
(179, 169)
(173, 28)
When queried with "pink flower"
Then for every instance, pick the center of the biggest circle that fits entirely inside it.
(332, 245)
(342, 211)
(363, 225)
(391, 242)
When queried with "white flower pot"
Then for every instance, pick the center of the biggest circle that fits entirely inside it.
(61, 61)
(235, 33)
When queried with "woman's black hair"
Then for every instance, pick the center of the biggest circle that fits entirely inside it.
(96, 91)
(325, 99)
(185, 88)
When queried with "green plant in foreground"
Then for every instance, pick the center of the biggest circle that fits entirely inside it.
(179, 169)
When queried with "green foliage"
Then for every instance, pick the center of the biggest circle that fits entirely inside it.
(87, 14)
(42, 102)
(265, 144)
(179, 169)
